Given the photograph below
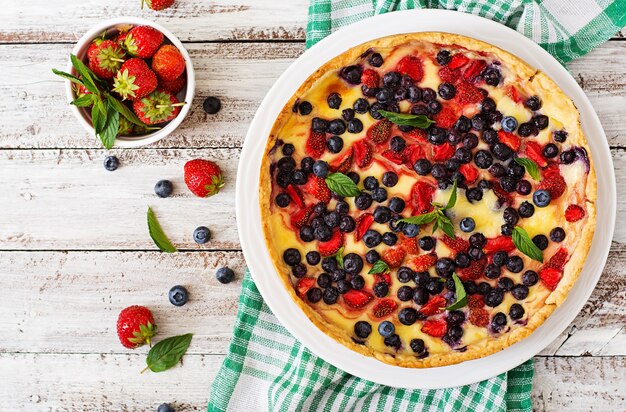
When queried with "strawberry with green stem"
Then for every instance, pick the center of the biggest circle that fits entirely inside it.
(158, 107)
(106, 58)
(143, 41)
(134, 80)
(168, 63)
(157, 4)
(203, 177)
(135, 326)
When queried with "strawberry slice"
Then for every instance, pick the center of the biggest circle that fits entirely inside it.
(435, 328)
(393, 257)
(296, 195)
(424, 262)
(344, 163)
(467, 93)
(421, 197)
(500, 243)
(475, 301)
(318, 188)
(446, 74)
(301, 217)
(515, 95)
(558, 260)
(363, 223)
(332, 246)
(550, 277)
(442, 152)
(574, 213)
(434, 306)
(412, 67)
(382, 277)
(474, 69)
(504, 198)
(509, 139)
(458, 60)
(370, 78)
(554, 184)
(383, 308)
(362, 153)
(412, 153)
(315, 144)
(474, 271)
(303, 286)
(446, 118)
(479, 317)
(409, 244)
(357, 299)
(417, 134)
(380, 132)
(393, 157)
(457, 244)
(533, 151)
(469, 172)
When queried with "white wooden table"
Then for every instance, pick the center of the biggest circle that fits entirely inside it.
(74, 247)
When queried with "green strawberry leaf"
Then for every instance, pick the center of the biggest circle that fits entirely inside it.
(524, 244)
(461, 295)
(405, 119)
(157, 234)
(420, 219)
(530, 166)
(167, 353)
(68, 76)
(84, 101)
(452, 200)
(88, 77)
(378, 267)
(342, 185)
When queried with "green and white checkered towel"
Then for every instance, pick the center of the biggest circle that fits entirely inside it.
(267, 369)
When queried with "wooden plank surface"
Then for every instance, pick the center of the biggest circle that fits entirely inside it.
(35, 113)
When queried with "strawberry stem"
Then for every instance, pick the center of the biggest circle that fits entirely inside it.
(163, 106)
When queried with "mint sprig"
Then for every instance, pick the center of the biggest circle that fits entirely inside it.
(438, 215)
(461, 295)
(404, 119)
(167, 353)
(342, 185)
(524, 244)
(157, 234)
(531, 167)
(339, 257)
(378, 267)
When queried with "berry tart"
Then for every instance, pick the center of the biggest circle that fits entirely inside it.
(428, 198)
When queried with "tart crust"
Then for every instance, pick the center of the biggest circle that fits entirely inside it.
(541, 85)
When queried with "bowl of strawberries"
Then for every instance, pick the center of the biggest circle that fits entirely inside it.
(130, 82)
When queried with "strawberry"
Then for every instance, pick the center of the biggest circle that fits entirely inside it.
(168, 63)
(412, 153)
(533, 151)
(446, 74)
(558, 260)
(301, 217)
(509, 139)
(412, 67)
(409, 244)
(344, 163)
(500, 243)
(469, 172)
(173, 86)
(333, 245)
(442, 152)
(424, 262)
(515, 95)
(421, 197)
(157, 4)
(475, 301)
(158, 107)
(380, 132)
(135, 326)
(106, 58)
(504, 198)
(295, 195)
(475, 270)
(318, 188)
(474, 69)
(143, 41)
(203, 177)
(457, 244)
(554, 184)
(393, 157)
(417, 134)
(370, 78)
(363, 222)
(134, 80)
(123, 31)
(435, 305)
(393, 257)
(574, 213)
(315, 144)
(458, 60)
(479, 317)
(357, 299)
(467, 93)
(362, 153)
(303, 285)
(80, 90)
(435, 328)
(446, 118)
(382, 277)
(126, 127)
(383, 308)
(550, 277)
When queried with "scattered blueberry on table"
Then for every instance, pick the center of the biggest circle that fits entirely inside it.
(201, 235)
(225, 275)
(163, 188)
(178, 295)
(212, 105)
(111, 163)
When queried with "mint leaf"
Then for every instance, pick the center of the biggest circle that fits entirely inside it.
(404, 119)
(87, 76)
(83, 101)
(339, 257)
(445, 224)
(378, 267)
(452, 200)
(68, 76)
(530, 166)
(524, 244)
(461, 295)
(98, 116)
(168, 352)
(342, 185)
(420, 219)
(157, 234)
(127, 113)
(111, 127)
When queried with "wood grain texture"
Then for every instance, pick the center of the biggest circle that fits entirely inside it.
(35, 112)
(107, 382)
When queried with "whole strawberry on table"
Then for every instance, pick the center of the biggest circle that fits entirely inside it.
(129, 80)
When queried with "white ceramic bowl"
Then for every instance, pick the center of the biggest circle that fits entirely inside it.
(249, 216)
(186, 95)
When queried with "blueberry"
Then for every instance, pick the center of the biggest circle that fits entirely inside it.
(286, 164)
(523, 187)
(445, 267)
(557, 234)
(307, 233)
(515, 264)
(462, 260)
(372, 257)
(334, 144)
(436, 135)
(323, 233)
(419, 109)
(530, 278)
(404, 274)
(111, 163)
(370, 183)
(386, 329)
(354, 176)
(407, 316)
(283, 179)
(376, 60)
(372, 238)
(411, 230)
(559, 136)
(163, 188)
(382, 214)
(526, 129)
(224, 275)
(463, 124)
(319, 209)
(515, 170)
(299, 270)
(414, 94)
(381, 289)
(483, 159)
(426, 243)
(475, 253)
(390, 239)
(492, 271)
(567, 157)
(337, 127)
(313, 258)
(334, 100)
(454, 334)
(361, 105)
(319, 125)
(352, 263)
(505, 284)
(390, 179)
(330, 295)
(497, 170)
(379, 194)
(541, 121)
(417, 346)
(533, 103)
(500, 258)
(479, 122)
(371, 92)
(455, 318)
(447, 91)
(509, 124)
(396, 204)
(314, 295)
(506, 229)
(306, 164)
(288, 149)
(541, 198)
(541, 241)
(392, 79)
(357, 282)
(478, 239)
(320, 168)
(519, 292)
(385, 95)
(428, 95)
(164, 407)
(329, 264)
(439, 171)
(433, 107)
(516, 311)
(324, 280)
(178, 295)
(347, 115)
(393, 341)
(362, 329)
(494, 297)
(492, 76)
(501, 151)
(488, 105)
(483, 288)
(420, 295)
(490, 136)
(510, 215)
(343, 286)
(508, 184)
(201, 235)
(299, 177)
(355, 126)
(474, 195)
(211, 105)
(467, 224)
(397, 144)
(351, 74)
(422, 167)
(282, 200)
(526, 209)
(454, 137)
(443, 57)
(498, 321)
(305, 108)
(550, 150)
(347, 224)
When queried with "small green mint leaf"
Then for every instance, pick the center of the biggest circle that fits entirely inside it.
(378, 267)
(531, 167)
(420, 219)
(404, 119)
(68, 76)
(461, 295)
(446, 225)
(524, 244)
(87, 76)
(83, 101)
(157, 234)
(342, 185)
(168, 352)
(452, 200)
